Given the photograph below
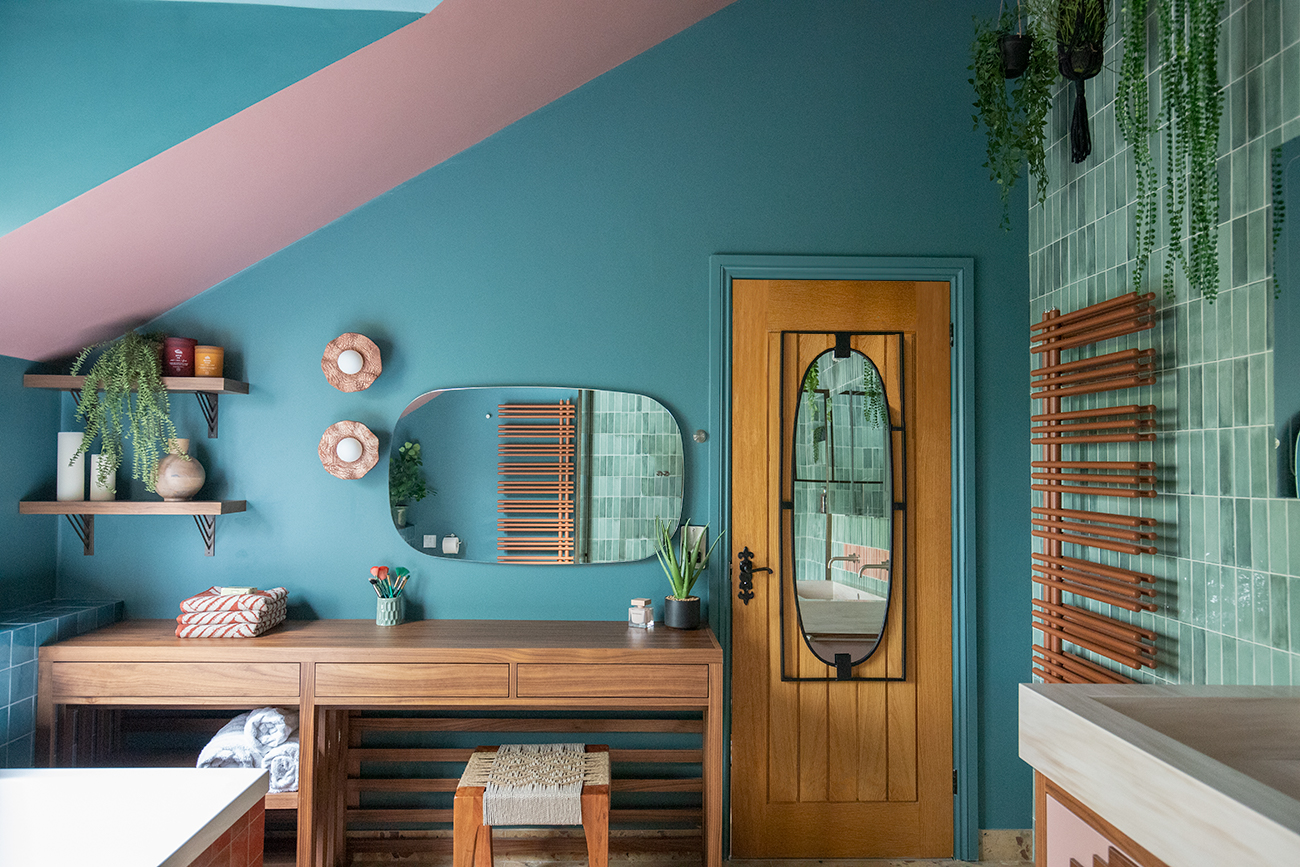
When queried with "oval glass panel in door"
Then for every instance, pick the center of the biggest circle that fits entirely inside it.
(843, 508)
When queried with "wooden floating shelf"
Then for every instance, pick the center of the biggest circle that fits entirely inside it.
(207, 389)
(81, 514)
(131, 507)
(211, 384)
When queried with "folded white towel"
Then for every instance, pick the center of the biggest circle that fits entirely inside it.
(271, 726)
(282, 764)
(231, 748)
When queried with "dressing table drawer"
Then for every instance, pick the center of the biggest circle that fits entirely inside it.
(536, 680)
(412, 680)
(171, 679)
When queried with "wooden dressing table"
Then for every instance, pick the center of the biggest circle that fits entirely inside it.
(328, 667)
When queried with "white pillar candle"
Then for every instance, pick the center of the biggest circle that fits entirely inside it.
(350, 361)
(107, 491)
(70, 479)
(348, 449)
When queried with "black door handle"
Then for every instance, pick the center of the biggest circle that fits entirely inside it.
(747, 571)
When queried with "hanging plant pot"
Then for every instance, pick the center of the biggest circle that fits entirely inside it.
(1081, 36)
(1015, 53)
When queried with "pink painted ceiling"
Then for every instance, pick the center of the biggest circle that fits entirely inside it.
(183, 221)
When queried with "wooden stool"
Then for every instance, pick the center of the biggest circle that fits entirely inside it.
(472, 840)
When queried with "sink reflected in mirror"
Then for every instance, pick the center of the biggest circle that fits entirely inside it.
(539, 475)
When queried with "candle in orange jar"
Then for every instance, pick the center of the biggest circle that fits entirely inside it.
(208, 360)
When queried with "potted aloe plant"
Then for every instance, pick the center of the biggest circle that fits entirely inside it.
(681, 609)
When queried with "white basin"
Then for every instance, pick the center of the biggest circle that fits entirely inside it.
(832, 608)
(1195, 774)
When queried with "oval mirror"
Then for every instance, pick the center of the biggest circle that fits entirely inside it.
(843, 508)
(535, 475)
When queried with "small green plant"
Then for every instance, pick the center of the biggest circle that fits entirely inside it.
(123, 399)
(684, 570)
(406, 483)
(1014, 118)
(874, 409)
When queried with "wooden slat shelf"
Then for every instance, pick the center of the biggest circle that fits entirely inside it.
(81, 514)
(212, 384)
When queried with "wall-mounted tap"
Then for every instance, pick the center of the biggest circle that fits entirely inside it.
(851, 558)
(865, 566)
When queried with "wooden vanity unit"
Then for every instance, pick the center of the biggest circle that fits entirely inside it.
(328, 668)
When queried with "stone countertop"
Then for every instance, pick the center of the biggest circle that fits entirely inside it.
(120, 817)
(1195, 774)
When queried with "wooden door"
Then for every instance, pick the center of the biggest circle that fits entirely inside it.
(859, 768)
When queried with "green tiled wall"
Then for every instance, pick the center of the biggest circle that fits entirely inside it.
(636, 475)
(1229, 567)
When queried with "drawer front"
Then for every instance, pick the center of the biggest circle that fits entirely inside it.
(163, 679)
(412, 680)
(613, 681)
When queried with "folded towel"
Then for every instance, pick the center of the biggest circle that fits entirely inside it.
(271, 726)
(230, 747)
(212, 600)
(199, 618)
(227, 630)
(281, 762)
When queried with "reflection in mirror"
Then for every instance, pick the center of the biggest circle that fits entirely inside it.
(542, 475)
(843, 508)
(1284, 321)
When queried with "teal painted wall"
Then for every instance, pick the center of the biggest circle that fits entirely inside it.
(572, 249)
(94, 87)
(29, 422)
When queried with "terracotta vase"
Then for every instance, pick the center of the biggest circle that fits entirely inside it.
(179, 477)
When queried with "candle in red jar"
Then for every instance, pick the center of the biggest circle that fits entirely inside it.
(178, 356)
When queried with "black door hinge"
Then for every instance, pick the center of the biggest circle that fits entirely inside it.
(954, 781)
(952, 334)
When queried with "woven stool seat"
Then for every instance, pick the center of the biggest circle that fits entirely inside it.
(531, 784)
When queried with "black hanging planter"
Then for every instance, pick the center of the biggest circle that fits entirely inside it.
(1080, 52)
(1015, 49)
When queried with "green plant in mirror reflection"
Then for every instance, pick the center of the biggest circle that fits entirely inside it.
(406, 483)
(682, 570)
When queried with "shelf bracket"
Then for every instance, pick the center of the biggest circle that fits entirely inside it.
(76, 395)
(207, 525)
(208, 403)
(85, 528)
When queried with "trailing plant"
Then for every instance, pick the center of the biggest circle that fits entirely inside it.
(1080, 45)
(1192, 106)
(123, 399)
(811, 383)
(684, 570)
(1013, 118)
(406, 482)
(874, 409)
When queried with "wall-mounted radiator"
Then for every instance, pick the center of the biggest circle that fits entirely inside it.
(536, 445)
(1073, 430)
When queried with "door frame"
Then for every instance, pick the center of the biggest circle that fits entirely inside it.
(959, 274)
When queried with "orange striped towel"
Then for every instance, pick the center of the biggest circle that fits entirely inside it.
(226, 630)
(212, 600)
(275, 611)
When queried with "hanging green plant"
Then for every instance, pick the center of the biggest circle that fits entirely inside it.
(874, 409)
(1013, 117)
(1192, 106)
(811, 382)
(1080, 48)
(124, 399)
(1279, 212)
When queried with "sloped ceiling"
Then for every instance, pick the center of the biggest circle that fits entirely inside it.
(200, 212)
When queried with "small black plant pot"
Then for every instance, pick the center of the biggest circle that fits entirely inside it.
(1015, 53)
(682, 613)
(1079, 62)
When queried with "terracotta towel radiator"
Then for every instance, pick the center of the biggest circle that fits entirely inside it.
(536, 482)
(1072, 430)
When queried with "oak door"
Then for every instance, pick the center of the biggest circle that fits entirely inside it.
(832, 768)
